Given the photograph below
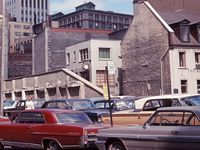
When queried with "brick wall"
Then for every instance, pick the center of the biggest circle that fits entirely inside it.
(58, 41)
(142, 48)
(19, 65)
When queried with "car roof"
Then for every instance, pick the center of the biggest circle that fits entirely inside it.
(139, 103)
(54, 110)
(66, 100)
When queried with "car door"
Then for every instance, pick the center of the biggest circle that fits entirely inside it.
(21, 129)
(170, 131)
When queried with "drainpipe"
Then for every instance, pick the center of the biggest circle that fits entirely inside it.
(170, 37)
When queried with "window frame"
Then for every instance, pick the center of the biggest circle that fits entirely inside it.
(182, 59)
(184, 86)
(185, 32)
(104, 53)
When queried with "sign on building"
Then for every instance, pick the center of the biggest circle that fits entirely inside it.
(111, 67)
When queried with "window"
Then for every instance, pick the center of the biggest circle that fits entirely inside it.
(198, 32)
(185, 32)
(198, 86)
(183, 86)
(103, 17)
(104, 53)
(101, 78)
(197, 58)
(182, 61)
(91, 16)
(174, 118)
(96, 17)
(109, 18)
(83, 55)
(26, 34)
(114, 19)
(90, 24)
(74, 58)
(68, 58)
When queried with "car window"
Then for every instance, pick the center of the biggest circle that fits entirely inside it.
(192, 100)
(174, 119)
(82, 104)
(100, 105)
(51, 105)
(73, 118)
(30, 117)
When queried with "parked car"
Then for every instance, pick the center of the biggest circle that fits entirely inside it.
(168, 128)
(8, 104)
(47, 129)
(84, 105)
(144, 107)
(12, 113)
(116, 105)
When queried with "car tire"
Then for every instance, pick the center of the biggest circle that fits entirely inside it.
(1, 146)
(116, 146)
(53, 145)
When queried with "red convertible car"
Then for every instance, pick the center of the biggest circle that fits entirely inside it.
(49, 130)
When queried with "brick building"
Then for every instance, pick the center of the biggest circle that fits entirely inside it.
(86, 16)
(161, 49)
(49, 46)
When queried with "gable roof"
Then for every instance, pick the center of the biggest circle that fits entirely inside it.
(173, 17)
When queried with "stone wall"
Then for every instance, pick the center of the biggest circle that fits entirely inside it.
(142, 48)
(19, 65)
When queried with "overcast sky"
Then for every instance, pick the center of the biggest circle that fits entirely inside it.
(67, 6)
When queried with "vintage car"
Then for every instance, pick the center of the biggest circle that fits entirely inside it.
(20, 105)
(47, 129)
(176, 128)
(84, 105)
(116, 105)
(144, 107)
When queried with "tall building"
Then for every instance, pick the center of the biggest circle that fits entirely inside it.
(86, 16)
(34, 11)
(20, 33)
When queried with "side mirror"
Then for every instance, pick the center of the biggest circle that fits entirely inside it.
(146, 125)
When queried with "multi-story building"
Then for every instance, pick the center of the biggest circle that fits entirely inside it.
(20, 33)
(161, 49)
(33, 11)
(86, 16)
(89, 59)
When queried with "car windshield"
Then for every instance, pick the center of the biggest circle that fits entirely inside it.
(82, 104)
(73, 118)
(193, 100)
(121, 105)
(8, 103)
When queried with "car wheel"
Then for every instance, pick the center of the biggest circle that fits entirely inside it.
(1, 146)
(53, 145)
(116, 146)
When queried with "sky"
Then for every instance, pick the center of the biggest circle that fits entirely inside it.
(68, 6)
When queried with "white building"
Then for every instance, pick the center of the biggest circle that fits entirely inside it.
(28, 10)
(89, 58)
(185, 68)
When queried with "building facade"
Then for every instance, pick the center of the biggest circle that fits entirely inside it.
(86, 16)
(58, 84)
(89, 59)
(20, 33)
(32, 11)
(161, 50)
(49, 46)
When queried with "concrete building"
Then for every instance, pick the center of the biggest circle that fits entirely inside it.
(89, 58)
(51, 85)
(161, 49)
(20, 33)
(32, 11)
(86, 16)
(49, 46)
